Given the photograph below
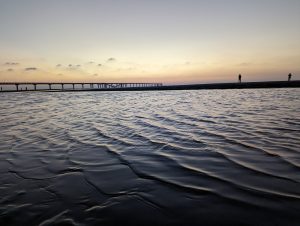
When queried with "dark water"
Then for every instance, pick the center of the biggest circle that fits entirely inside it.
(218, 157)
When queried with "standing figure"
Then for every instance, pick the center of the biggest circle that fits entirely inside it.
(289, 77)
(240, 78)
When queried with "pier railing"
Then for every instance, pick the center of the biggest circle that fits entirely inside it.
(41, 86)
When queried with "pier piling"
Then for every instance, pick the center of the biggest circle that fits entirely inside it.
(92, 86)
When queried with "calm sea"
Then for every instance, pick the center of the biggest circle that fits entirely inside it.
(206, 157)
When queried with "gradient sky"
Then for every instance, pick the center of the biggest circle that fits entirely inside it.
(170, 41)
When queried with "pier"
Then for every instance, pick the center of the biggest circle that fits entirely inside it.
(72, 87)
(69, 86)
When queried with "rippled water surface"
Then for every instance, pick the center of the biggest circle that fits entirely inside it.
(214, 157)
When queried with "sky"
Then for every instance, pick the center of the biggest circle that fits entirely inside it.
(169, 41)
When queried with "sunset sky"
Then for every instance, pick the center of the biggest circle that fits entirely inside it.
(170, 41)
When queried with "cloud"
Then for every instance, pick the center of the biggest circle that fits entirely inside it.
(90, 62)
(30, 69)
(58, 65)
(73, 67)
(10, 69)
(95, 74)
(99, 65)
(11, 63)
(111, 59)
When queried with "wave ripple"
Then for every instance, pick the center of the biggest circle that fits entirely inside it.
(150, 158)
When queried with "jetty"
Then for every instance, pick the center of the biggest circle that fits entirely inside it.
(69, 86)
(75, 87)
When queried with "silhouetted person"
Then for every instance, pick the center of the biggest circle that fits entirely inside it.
(240, 78)
(289, 77)
(1, 88)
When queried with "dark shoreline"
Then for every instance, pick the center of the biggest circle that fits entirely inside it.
(243, 85)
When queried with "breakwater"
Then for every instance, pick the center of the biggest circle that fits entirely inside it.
(244, 85)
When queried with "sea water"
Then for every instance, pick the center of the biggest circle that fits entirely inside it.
(197, 157)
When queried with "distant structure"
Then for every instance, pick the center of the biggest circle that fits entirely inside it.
(289, 77)
(42, 86)
(240, 78)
